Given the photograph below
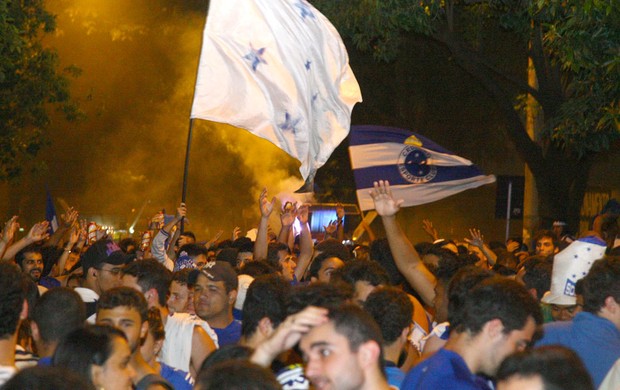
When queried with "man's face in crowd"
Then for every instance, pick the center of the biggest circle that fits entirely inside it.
(288, 265)
(545, 247)
(210, 298)
(33, 265)
(328, 267)
(200, 261)
(181, 298)
(564, 312)
(244, 257)
(505, 344)
(108, 276)
(131, 282)
(126, 319)
(330, 363)
(183, 239)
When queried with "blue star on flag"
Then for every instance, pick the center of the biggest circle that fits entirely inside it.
(304, 9)
(255, 57)
(289, 123)
(307, 64)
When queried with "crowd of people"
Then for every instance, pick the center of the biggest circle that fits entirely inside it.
(283, 311)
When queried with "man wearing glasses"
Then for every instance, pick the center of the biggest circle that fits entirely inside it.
(102, 264)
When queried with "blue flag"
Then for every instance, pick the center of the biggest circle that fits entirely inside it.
(50, 213)
(419, 170)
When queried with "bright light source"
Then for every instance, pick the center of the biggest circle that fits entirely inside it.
(131, 230)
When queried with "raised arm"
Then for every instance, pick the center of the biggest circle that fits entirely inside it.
(8, 233)
(305, 242)
(67, 220)
(158, 245)
(287, 217)
(477, 240)
(37, 233)
(266, 208)
(405, 256)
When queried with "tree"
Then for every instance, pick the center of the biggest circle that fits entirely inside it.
(575, 51)
(29, 84)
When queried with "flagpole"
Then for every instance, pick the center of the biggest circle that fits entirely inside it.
(186, 168)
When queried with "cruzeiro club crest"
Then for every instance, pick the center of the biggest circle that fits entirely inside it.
(413, 165)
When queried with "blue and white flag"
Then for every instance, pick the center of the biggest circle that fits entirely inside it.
(279, 69)
(419, 170)
(50, 213)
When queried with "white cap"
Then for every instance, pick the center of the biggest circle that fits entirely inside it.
(570, 265)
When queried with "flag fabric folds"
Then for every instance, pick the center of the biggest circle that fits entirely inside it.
(50, 213)
(279, 69)
(419, 170)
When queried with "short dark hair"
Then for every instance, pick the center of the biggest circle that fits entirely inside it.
(156, 326)
(317, 263)
(193, 250)
(601, 282)
(151, 274)
(358, 327)
(272, 254)
(230, 352)
(12, 297)
(317, 294)
(559, 368)
(545, 233)
(57, 313)
(448, 265)
(335, 248)
(363, 270)
(538, 275)
(266, 297)
(381, 253)
(85, 347)
(458, 289)
(32, 248)
(182, 276)
(256, 268)
(189, 234)
(237, 375)
(391, 309)
(497, 298)
(125, 243)
(125, 297)
(47, 378)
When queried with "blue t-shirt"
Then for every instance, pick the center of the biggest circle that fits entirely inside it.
(445, 370)
(230, 334)
(394, 375)
(596, 340)
(181, 380)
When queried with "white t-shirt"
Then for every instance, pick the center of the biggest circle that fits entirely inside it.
(177, 349)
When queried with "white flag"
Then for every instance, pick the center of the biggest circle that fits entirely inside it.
(279, 69)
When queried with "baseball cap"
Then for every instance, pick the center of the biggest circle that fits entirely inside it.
(217, 271)
(104, 251)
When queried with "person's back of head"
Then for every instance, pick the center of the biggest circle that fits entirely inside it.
(12, 298)
(555, 367)
(317, 294)
(266, 298)
(258, 267)
(150, 274)
(57, 313)
(47, 378)
(602, 282)
(392, 310)
(226, 353)
(537, 275)
(85, 347)
(237, 375)
(496, 298)
(334, 248)
(381, 253)
(458, 289)
(366, 271)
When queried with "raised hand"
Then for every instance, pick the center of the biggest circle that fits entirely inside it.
(385, 205)
(265, 205)
(287, 217)
(428, 227)
(477, 239)
(69, 217)
(331, 227)
(38, 232)
(236, 233)
(303, 213)
(181, 211)
(10, 227)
